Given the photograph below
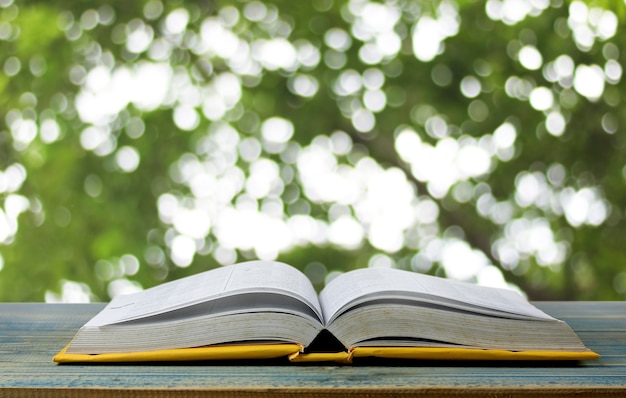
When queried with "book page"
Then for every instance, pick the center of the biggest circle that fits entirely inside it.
(253, 276)
(377, 283)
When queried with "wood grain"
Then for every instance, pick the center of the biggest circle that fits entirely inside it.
(30, 334)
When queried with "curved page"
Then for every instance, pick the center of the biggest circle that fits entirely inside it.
(249, 277)
(362, 285)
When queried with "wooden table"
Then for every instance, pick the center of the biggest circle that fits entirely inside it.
(30, 334)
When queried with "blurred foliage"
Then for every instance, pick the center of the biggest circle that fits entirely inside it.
(546, 212)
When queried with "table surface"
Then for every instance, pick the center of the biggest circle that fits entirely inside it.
(30, 334)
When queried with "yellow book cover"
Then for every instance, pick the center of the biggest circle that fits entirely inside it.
(214, 353)
(263, 310)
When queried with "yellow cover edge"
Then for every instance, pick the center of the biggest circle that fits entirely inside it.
(214, 353)
(469, 354)
(342, 357)
(294, 353)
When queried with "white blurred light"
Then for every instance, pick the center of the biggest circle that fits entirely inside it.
(373, 78)
(564, 65)
(49, 131)
(218, 40)
(127, 158)
(427, 39)
(460, 261)
(470, 87)
(277, 53)
(23, 131)
(92, 137)
(303, 85)
(337, 39)
(248, 229)
(363, 120)
(583, 207)
(427, 211)
(555, 124)
(194, 223)
(346, 232)
(589, 24)
(186, 117)
(277, 130)
(408, 145)
(491, 276)
(473, 161)
(264, 177)
(308, 55)
(513, 11)
(370, 54)
(384, 235)
(183, 249)
(541, 98)
(528, 187)
(388, 44)
(613, 71)
(530, 58)
(123, 286)
(12, 66)
(213, 107)
(607, 24)
(71, 292)
(349, 82)
(505, 135)
(14, 176)
(378, 17)
(228, 86)
(98, 78)
(176, 21)
(341, 143)
(374, 100)
(140, 37)
(255, 11)
(167, 204)
(589, 81)
(145, 85)
(129, 264)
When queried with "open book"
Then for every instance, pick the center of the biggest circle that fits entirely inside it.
(263, 309)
